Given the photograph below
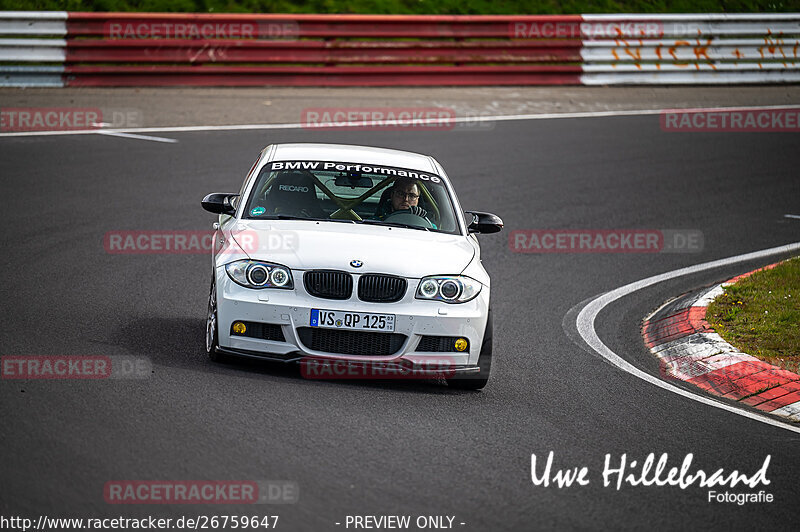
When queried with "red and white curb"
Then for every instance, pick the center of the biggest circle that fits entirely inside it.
(689, 350)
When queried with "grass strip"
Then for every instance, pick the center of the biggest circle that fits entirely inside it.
(760, 315)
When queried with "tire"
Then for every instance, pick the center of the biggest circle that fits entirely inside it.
(478, 381)
(212, 326)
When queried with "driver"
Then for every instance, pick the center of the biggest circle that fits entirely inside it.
(404, 196)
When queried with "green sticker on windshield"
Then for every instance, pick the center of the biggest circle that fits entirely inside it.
(258, 211)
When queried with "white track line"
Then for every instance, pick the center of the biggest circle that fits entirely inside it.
(586, 318)
(795, 216)
(467, 119)
(132, 136)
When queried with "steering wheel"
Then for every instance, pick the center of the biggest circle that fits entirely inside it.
(404, 216)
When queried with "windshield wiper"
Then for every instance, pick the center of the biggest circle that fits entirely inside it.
(290, 217)
(394, 224)
(280, 217)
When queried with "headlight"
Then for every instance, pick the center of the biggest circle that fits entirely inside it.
(279, 277)
(448, 288)
(254, 274)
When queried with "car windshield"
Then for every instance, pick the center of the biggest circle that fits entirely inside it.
(352, 193)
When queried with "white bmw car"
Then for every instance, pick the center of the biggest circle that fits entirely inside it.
(354, 255)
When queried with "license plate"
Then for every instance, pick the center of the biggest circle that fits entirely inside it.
(357, 321)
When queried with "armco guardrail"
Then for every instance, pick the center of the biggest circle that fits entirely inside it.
(127, 49)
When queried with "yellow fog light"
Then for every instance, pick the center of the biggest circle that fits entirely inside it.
(239, 327)
(461, 344)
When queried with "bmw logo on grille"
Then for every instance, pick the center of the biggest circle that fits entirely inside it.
(356, 263)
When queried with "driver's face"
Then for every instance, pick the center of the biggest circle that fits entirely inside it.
(405, 197)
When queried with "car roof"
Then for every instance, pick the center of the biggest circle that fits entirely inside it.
(353, 154)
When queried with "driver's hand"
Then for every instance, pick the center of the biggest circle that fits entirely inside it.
(419, 211)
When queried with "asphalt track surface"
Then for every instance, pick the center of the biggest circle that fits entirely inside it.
(378, 448)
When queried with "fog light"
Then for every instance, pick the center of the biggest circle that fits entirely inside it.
(461, 344)
(239, 328)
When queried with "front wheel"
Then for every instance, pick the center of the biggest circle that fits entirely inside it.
(212, 332)
(479, 380)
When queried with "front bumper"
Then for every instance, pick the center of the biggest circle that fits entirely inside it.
(331, 368)
(291, 309)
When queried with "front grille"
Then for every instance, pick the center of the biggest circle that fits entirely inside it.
(351, 342)
(379, 288)
(438, 344)
(328, 284)
(264, 331)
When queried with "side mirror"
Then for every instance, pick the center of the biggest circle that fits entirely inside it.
(219, 203)
(484, 222)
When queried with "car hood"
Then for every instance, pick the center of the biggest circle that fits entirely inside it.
(308, 245)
